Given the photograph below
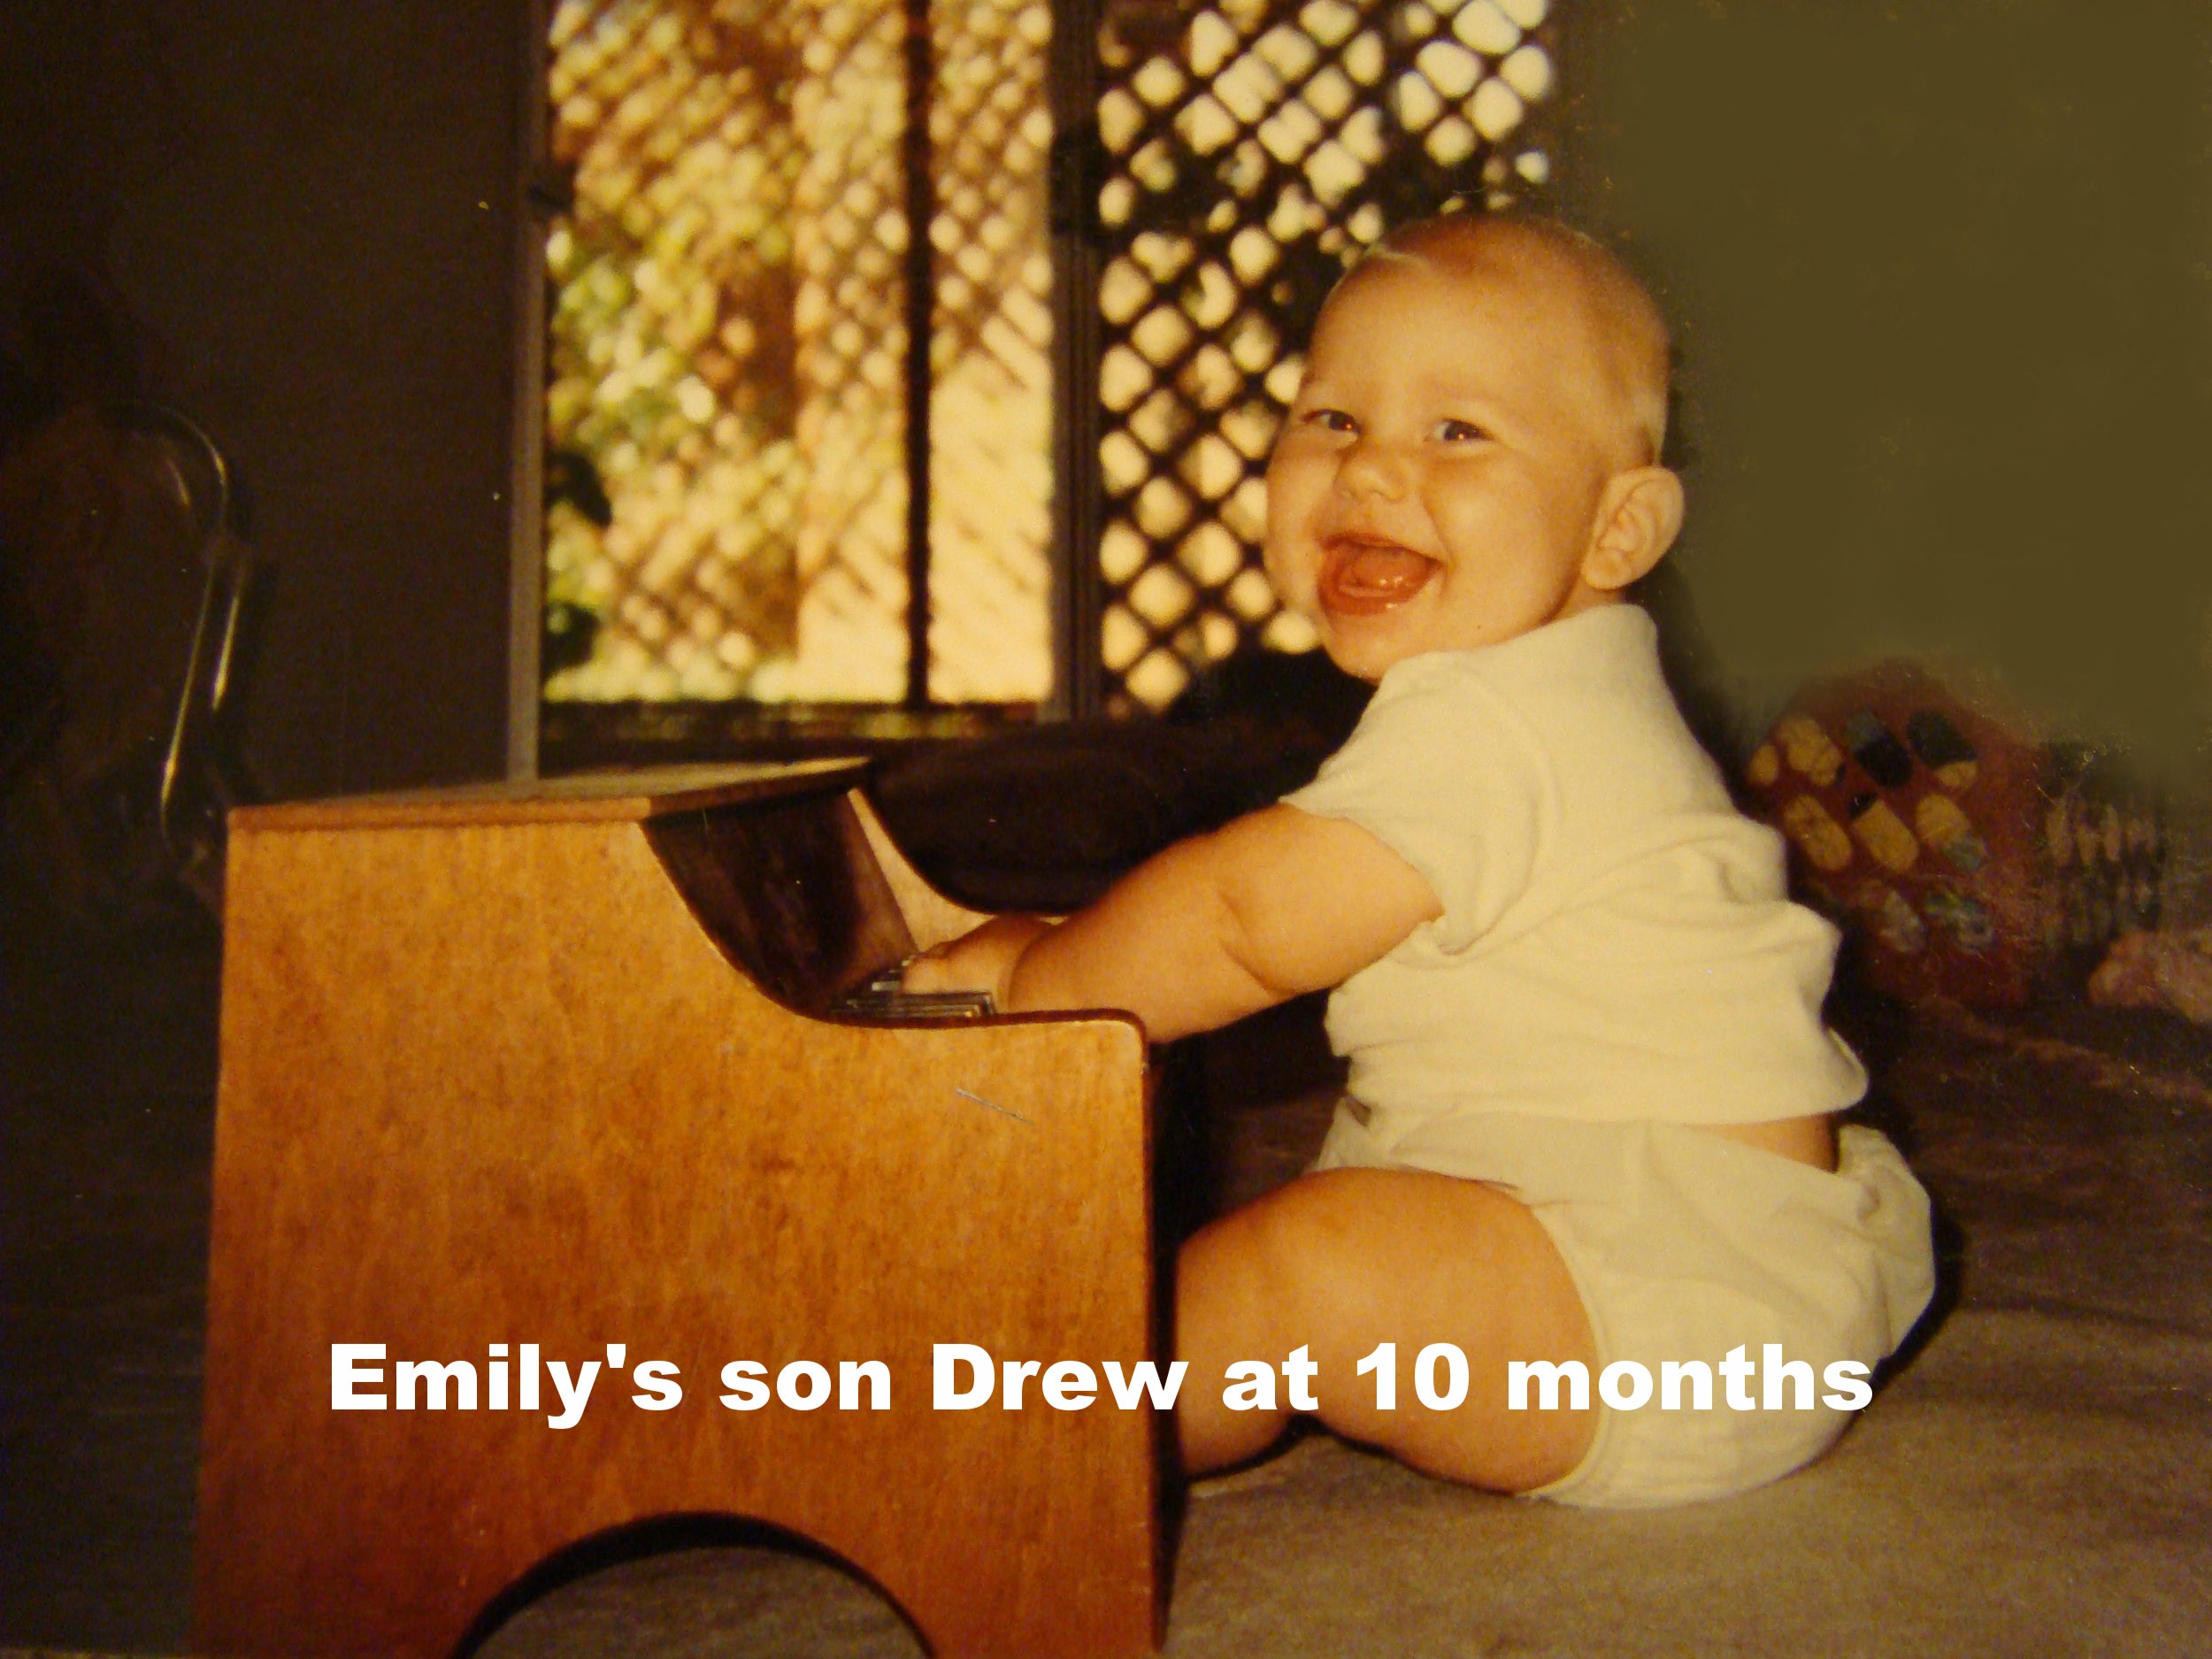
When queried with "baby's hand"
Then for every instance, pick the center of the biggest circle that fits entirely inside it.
(983, 960)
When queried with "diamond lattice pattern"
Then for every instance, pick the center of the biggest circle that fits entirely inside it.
(1249, 157)
(728, 351)
(991, 398)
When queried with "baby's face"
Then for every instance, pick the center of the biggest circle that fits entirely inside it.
(1436, 485)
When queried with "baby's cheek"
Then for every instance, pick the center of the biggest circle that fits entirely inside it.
(1296, 588)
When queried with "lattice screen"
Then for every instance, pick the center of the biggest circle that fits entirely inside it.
(1251, 152)
(991, 402)
(729, 338)
(729, 351)
(671, 349)
(849, 233)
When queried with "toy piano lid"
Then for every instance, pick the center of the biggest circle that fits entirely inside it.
(600, 796)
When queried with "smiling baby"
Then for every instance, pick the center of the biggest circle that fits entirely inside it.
(1589, 1114)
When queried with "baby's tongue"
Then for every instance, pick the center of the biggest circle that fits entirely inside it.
(1361, 578)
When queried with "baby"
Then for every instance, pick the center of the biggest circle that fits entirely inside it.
(1589, 1111)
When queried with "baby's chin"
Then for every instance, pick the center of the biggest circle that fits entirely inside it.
(1368, 645)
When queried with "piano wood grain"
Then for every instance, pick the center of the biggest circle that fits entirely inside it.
(493, 1077)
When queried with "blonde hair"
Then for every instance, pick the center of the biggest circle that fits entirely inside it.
(1621, 323)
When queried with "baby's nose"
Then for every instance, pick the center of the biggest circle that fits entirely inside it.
(1370, 468)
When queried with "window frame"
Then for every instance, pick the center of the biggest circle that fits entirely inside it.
(568, 736)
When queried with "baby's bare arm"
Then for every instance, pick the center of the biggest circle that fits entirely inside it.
(1216, 928)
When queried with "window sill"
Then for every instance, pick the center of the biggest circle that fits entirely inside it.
(587, 736)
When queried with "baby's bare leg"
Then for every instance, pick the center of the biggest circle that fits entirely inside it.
(1342, 1260)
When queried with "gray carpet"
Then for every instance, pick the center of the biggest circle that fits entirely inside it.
(2033, 1485)
(2037, 1479)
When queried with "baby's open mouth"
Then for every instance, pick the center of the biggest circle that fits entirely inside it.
(1360, 577)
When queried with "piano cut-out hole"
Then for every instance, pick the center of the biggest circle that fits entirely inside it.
(684, 1585)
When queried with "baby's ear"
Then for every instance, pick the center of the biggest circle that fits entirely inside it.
(1637, 519)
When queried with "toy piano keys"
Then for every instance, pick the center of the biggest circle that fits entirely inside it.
(555, 1064)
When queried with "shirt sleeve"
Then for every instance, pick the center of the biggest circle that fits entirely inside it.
(1445, 775)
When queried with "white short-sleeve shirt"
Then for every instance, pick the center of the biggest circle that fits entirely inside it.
(1617, 941)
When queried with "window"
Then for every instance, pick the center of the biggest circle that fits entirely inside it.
(763, 494)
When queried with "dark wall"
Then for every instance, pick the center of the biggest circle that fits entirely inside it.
(1942, 271)
(298, 219)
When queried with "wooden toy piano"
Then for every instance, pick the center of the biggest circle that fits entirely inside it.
(551, 1063)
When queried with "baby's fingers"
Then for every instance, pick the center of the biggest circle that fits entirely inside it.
(983, 960)
(928, 971)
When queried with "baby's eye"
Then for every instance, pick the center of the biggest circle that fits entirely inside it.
(1460, 432)
(1330, 420)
